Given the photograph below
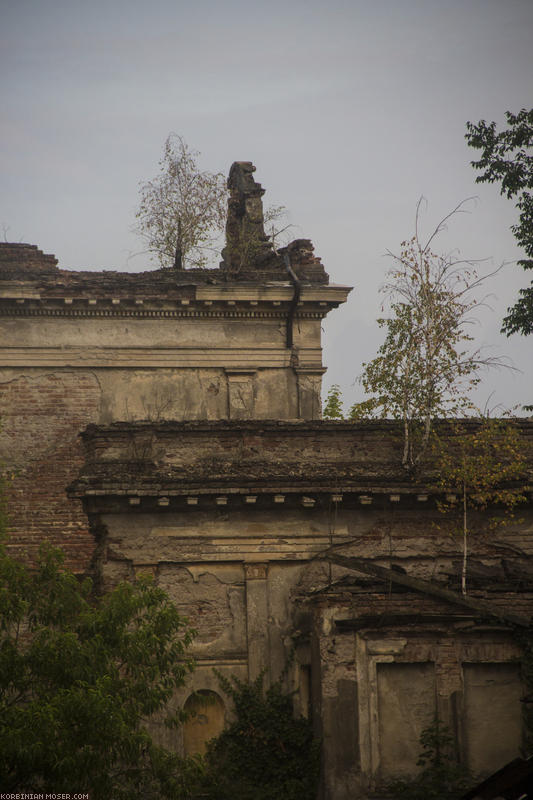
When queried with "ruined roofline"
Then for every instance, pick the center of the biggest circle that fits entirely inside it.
(25, 262)
(31, 284)
(248, 255)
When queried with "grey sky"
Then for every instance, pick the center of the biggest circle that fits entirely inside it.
(350, 111)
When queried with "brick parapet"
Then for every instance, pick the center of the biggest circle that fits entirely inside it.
(25, 260)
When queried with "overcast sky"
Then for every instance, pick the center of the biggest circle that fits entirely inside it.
(350, 110)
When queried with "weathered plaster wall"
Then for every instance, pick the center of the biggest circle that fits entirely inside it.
(231, 574)
(193, 332)
(403, 713)
(492, 695)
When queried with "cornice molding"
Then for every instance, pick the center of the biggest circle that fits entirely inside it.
(137, 313)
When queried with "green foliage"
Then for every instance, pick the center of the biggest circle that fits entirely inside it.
(333, 408)
(441, 777)
(79, 679)
(182, 210)
(425, 368)
(266, 753)
(478, 467)
(507, 159)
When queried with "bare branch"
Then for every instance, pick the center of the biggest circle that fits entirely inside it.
(442, 224)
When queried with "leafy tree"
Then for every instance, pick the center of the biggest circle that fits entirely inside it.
(478, 467)
(441, 777)
(425, 368)
(333, 408)
(80, 679)
(182, 210)
(266, 753)
(507, 159)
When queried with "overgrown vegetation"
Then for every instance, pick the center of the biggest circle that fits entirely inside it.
(79, 681)
(183, 212)
(81, 678)
(441, 776)
(266, 753)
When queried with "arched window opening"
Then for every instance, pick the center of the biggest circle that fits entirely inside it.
(205, 722)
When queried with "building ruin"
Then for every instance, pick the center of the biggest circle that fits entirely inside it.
(181, 408)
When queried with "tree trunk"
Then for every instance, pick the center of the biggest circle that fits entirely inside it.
(465, 539)
(178, 257)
